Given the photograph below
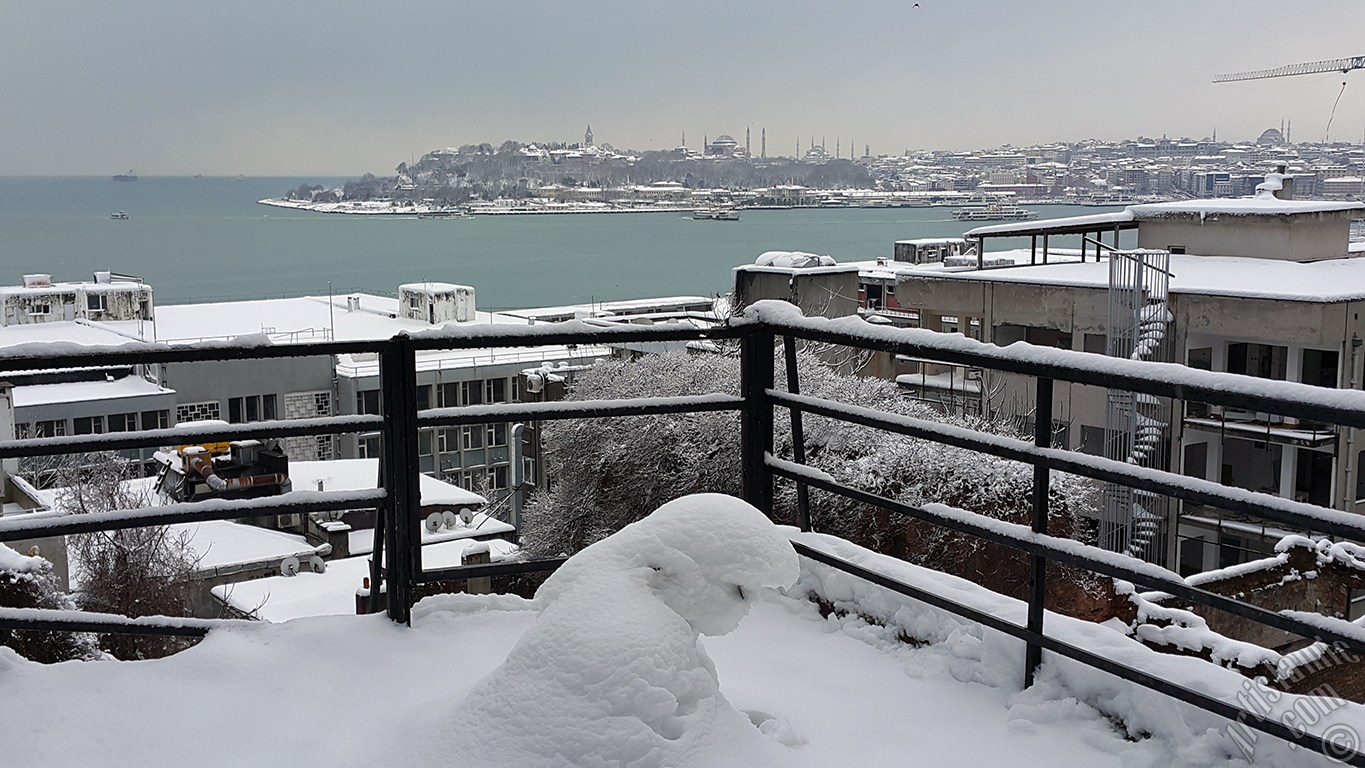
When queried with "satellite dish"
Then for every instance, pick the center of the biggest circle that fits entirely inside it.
(317, 564)
(433, 522)
(466, 515)
(289, 566)
(450, 519)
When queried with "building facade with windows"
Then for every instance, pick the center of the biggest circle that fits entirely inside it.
(1262, 286)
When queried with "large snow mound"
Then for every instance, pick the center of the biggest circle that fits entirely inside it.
(613, 671)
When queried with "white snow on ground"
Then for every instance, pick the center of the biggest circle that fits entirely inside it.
(333, 690)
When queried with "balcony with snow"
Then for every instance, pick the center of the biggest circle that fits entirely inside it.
(714, 631)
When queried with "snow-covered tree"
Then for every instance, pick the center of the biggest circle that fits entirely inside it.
(605, 472)
(28, 582)
(130, 572)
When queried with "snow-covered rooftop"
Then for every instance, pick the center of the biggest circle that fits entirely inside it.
(1260, 205)
(305, 318)
(1329, 280)
(363, 475)
(332, 592)
(83, 391)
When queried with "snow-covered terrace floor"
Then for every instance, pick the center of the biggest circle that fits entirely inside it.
(331, 691)
(359, 690)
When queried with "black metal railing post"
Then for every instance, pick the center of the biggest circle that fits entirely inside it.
(798, 433)
(756, 425)
(403, 556)
(1037, 575)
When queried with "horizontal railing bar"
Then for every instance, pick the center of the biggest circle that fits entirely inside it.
(568, 332)
(1075, 553)
(50, 620)
(490, 569)
(1147, 680)
(1287, 511)
(39, 525)
(1337, 406)
(575, 409)
(188, 433)
(23, 357)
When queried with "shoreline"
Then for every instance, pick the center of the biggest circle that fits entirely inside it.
(371, 208)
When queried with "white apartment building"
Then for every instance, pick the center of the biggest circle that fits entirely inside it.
(1261, 286)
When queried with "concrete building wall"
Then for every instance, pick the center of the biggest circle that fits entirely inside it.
(821, 292)
(1307, 237)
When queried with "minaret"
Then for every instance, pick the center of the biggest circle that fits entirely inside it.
(838, 150)
(705, 143)
(746, 142)
(587, 137)
(763, 141)
(684, 141)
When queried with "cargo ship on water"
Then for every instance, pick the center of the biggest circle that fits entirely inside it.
(129, 176)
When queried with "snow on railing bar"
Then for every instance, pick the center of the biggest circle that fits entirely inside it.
(190, 432)
(38, 525)
(475, 336)
(67, 354)
(574, 409)
(1072, 552)
(1293, 513)
(53, 620)
(981, 613)
(1345, 407)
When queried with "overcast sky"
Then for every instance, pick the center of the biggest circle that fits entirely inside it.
(288, 87)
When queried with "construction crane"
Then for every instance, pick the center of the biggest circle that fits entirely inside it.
(1311, 68)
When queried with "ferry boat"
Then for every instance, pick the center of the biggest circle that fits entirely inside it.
(716, 214)
(129, 176)
(119, 215)
(994, 212)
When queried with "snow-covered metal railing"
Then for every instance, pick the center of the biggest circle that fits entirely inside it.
(398, 557)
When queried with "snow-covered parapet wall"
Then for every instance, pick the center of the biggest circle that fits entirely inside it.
(793, 260)
(613, 671)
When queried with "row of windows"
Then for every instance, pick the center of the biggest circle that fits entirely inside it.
(94, 302)
(451, 395)
(251, 408)
(96, 425)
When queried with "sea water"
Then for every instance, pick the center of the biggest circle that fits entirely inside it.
(201, 239)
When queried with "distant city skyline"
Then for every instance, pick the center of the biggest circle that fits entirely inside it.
(312, 89)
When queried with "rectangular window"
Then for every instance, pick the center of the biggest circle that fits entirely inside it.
(495, 391)
(450, 394)
(39, 309)
(424, 442)
(423, 398)
(1320, 367)
(367, 401)
(1262, 360)
(497, 477)
(122, 422)
(49, 428)
(154, 419)
(96, 302)
(253, 408)
(448, 440)
(471, 393)
(473, 438)
(268, 407)
(496, 435)
(368, 448)
(516, 389)
(88, 425)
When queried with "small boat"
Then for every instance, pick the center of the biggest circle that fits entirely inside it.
(448, 214)
(129, 176)
(716, 214)
(994, 212)
(119, 215)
